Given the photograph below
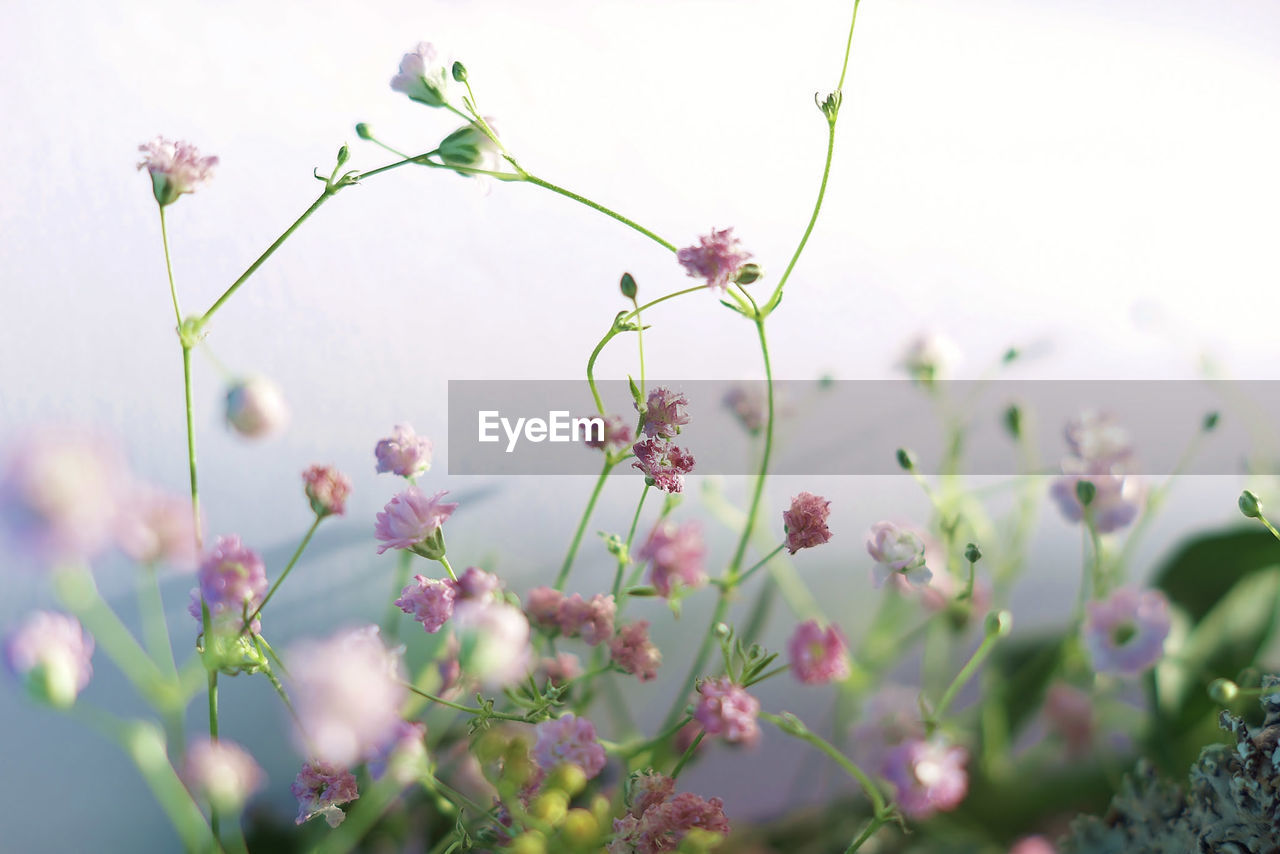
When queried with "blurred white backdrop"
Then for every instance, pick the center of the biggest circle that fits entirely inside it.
(1096, 180)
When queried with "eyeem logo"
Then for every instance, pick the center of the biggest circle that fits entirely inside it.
(557, 427)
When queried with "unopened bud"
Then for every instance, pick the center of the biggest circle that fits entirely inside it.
(580, 828)
(998, 624)
(906, 460)
(362, 131)
(628, 286)
(972, 553)
(1210, 422)
(1013, 421)
(1223, 691)
(1250, 506)
(747, 274)
(1085, 492)
(459, 72)
(255, 407)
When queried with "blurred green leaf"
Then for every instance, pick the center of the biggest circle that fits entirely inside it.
(1025, 666)
(1205, 569)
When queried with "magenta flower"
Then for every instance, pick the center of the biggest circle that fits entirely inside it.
(818, 655)
(928, 776)
(568, 740)
(727, 709)
(616, 437)
(413, 521)
(1116, 501)
(662, 462)
(60, 493)
(176, 167)
(404, 452)
(664, 413)
(51, 654)
(897, 549)
(542, 605)
(327, 490)
(423, 77)
(632, 650)
(716, 258)
(222, 773)
(592, 619)
(154, 527)
(347, 691)
(1125, 634)
(256, 408)
(806, 522)
(404, 754)
(676, 555)
(429, 600)
(232, 579)
(321, 787)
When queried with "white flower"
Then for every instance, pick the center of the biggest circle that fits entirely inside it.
(898, 550)
(422, 77)
(494, 639)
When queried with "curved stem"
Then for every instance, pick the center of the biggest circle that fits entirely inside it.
(191, 448)
(297, 553)
(624, 559)
(742, 578)
(534, 179)
(168, 267)
(860, 777)
(569, 557)
(444, 561)
(966, 672)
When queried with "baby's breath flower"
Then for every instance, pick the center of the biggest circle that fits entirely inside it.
(403, 452)
(413, 521)
(423, 76)
(569, 740)
(676, 554)
(900, 550)
(664, 463)
(715, 258)
(327, 490)
(321, 787)
(632, 650)
(176, 167)
(50, 653)
(222, 773)
(928, 775)
(1125, 634)
(818, 655)
(665, 413)
(806, 522)
(727, 709)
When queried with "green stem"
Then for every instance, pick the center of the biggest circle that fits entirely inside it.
(688, 754)
(391, 622)
(191, 446)
(789, 727)
(168, 268)
(444, 561)
(961, 678)
(742, 578)
(569, 557)
(471, 710)
(872, 826)
(213, 736)
(533, 179)
(302, 546)
(625, 559)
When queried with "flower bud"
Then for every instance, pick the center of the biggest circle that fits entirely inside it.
(51, 654)
(1223, 691)
(550, 806)
(906, 460)
(529, 842)
(972, 553)
(1210, 422)
(363, 131)
(256, 408)
(1250, 506)
(568, 778)
(470, 147)
(459, 72)
(628, 286)
(748, 273)
(1013, 421)
(1086, 491)
(580, 828)
(998, 624)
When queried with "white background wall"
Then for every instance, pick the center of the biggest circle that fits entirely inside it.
(1097, 179)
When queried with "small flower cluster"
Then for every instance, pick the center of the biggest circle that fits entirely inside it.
(900, 550)
(659, 820)
(1098, 470)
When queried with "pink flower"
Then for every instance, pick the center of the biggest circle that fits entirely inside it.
(542, 605)
(1033, 845)
(154, 527)
(1069, 712)
(175, 168)
(592, 619)
(429, 600)
(664, 413)
(750, 404)
(233, 580)
(617, 436)
(806, 522)
(60, 493)
(320, 788)
(929, 776)
(51, 654)
(222, 773)
(404, 452)
(648, 789)
(1116, 501)
(568, 740)
(890, 717)
(404, 754)
(327, 490)
(347, 691)
(565, 667)
(476, 584)
(494, 640)
(256, 408)
(663, 824)
(632, 650)
(727, 709)
(818, 656)
(412, 521)
(897, 549)
(716, 258)
(423, 77)
(664, 463)
(676, 555)
(1125, 634)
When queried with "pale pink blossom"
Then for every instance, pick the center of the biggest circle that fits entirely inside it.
(632, 650)
(662, 462)
(1033, 845)
(476, 584)
(494, 640)
(327, 490)
(1116, 501)
(568, 740)
(806, 522)
(155, 527)
(818, 655)
(222, 773)
(592, 619)
(676, 555)
(563, 668)
(429, 600)
(175, 167)
(411, 519)
(51, 654)
(255, 408)
(928, 776)
(233, 581)
(404, 452)
(542, 605)
(665, 413)
(321, 788)
(897, 549)
(930, 356)
(716, 258)
(1097, 437)
(1125, 633)
(616, 436)
(648, 789)
(727, 709)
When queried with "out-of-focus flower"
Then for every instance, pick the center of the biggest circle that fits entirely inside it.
(60, 493)
(664, 463)
(1125, 633)
(727, 709)
(632, 650)
(1116, 501)
(256, 407)
(818, 655)
(403, 754)
(494, 639)
(403, 452)
(413, 521)
(593, 619)
(664, 825)
(232, 579)
(1033, 845)
(423, 76)
(897, 549)
(616, 437)
(676, 554)
(564, 667)
(568, 740)
(890, 717)
(476, 584)
(664, 413)
(929, 357)
(51, 654)
(327, 490)
(648, 789)
(806, 522)
(469, 147)
(1097, 438)
(321, 787)
(176, 167)
(716, 258)
(154, 527)
(429, 600)
(750, 404)
(542, 605)
(347, 690)
(1069, 712)
(222, 773)
(928, 776)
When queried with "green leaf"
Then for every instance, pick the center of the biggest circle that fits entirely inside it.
(1205, 570)
(1026, 666)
